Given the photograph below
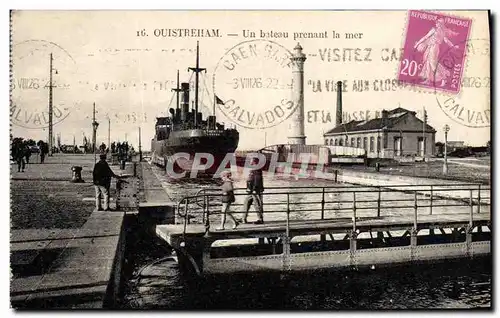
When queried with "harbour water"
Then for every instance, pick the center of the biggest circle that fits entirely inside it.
(152, 278)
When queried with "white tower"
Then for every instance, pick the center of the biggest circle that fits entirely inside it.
(296, 126)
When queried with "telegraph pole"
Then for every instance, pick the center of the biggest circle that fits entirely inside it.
(140, 148)
(50, 107)
(109, 132)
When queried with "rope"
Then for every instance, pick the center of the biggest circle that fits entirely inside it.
(158, 260)
(171, 100)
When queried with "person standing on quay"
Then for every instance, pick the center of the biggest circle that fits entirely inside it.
(27, 152)
(102, 175)
(102, 148)
(43, 150)
(19, 155)
(227, 199)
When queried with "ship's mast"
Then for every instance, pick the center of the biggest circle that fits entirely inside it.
(177, 91)
(197, 70)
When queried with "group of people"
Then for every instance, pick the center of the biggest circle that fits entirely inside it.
(21, 152)
(255, 188)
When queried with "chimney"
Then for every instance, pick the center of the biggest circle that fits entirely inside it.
(184, 101)
(338, 116)
(385, 115)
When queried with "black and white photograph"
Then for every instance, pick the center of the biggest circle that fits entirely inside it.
(249, 160)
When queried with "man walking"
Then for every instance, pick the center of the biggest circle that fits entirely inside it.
(255, 187)
(102, 181)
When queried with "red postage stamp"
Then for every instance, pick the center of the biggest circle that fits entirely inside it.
(434, 51)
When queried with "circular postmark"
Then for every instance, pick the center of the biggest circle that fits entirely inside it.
(471, 107)
(253, 84)
(30, 83)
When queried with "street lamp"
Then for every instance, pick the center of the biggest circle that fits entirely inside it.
(445, 166)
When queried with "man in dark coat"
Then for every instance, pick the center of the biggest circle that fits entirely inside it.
(43, 150)
(27, 152)
(255, 187)
(102, 181)
(19, 154)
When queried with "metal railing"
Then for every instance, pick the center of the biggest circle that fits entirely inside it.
(374, 200)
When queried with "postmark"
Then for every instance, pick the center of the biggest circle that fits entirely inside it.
(428, 34)
(470, 108)
(253, 81)
(30, 83)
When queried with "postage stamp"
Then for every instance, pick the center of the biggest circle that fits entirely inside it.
(244, 79)
(428, 35)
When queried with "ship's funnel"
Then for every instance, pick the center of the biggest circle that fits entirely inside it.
(338, 117)
(184, 101)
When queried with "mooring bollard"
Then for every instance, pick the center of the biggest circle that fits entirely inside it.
(77, 174)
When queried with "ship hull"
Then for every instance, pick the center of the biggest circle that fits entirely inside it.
(187, 145)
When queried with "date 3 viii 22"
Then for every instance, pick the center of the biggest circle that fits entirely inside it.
(258, 82)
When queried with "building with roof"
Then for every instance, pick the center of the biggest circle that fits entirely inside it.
(397, 133)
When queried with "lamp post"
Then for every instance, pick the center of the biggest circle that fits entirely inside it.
(445, 166)
(95, 124)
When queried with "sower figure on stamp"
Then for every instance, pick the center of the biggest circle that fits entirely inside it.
(255, 187)
(102, 181)
(227, 199)
(433, 70)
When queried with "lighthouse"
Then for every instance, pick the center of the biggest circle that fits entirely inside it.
(296, 125)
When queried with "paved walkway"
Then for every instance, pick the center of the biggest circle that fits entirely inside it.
(70, 264)
(153, 189)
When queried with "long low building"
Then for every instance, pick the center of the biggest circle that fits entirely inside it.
(398, 133)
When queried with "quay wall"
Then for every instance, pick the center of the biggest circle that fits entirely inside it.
(380, 179)
(440, 185)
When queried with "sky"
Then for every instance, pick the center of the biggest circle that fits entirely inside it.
(126, 63)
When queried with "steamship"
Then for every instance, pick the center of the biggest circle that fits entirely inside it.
(185, 131)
